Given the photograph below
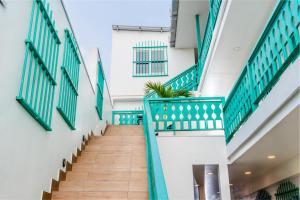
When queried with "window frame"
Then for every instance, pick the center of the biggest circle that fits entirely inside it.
(140, 59)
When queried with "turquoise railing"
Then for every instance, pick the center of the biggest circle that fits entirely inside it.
(180, 114)
(156, 182)
(277, 47)
(187, 79)
(190, 78)
(209, 29)
(127, 117)
(187, 114)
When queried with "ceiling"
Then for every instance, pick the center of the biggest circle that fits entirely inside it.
(186, 22)
(243, 24)
(281, 141)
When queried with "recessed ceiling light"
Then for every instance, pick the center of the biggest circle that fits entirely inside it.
(236, 48)
(247, 172)
(271, 157)
(210, 173)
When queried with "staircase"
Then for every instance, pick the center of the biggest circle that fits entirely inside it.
(111, 167)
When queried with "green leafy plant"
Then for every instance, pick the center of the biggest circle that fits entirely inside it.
(165, 92)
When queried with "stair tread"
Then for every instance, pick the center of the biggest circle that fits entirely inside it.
(112, 166)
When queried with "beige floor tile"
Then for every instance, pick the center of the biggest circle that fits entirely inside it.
(76, 176)
(109, 175)
(102, 195)
(138, 186)
(71, 186)
(110, 167)
(64, 195)
(108, 186)
(138, 195)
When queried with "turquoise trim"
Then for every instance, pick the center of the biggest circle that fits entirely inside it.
(149, 59)
(198, 35)
(67, 101)
(187, 114)
(275, 50)
(126, 117)
(186, 79)
(209, 29)
(100, 92)
(156, 182)
(37, 86)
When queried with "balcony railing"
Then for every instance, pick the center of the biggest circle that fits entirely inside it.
(187, 79)
(187, 114)
(156, 181)
(209, 29)
(190, 78)
(277, 47)
(127, 117)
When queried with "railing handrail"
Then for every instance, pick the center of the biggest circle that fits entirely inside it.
(187, 99)
(211, 20)
(181, 74)
(127, 111)
(157, 187)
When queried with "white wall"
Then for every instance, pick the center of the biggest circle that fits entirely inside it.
(122, 82)
(90, 56)
(31, 156)
(178, 154)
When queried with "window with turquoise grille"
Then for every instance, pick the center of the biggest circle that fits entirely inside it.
(37, 85)
(150, 58)
(100, 85)
(67, 101)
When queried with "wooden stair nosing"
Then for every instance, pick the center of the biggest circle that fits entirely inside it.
(46, 196)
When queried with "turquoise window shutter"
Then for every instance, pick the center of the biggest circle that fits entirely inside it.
(100, 87)
(67, 102)
(150, 59)
(37, 85)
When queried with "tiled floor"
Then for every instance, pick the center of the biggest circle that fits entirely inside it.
(111, 167)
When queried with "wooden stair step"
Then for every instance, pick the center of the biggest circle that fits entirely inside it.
(112, 166)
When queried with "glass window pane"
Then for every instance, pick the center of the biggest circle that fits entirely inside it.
(157, 55)
(142, 55)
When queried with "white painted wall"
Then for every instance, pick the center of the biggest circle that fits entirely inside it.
(122, 82)
(31, 156)
(90, 55)
(178, 154)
